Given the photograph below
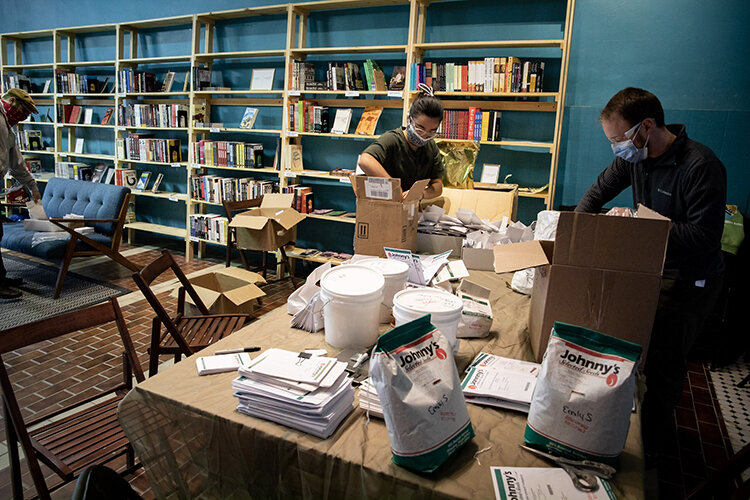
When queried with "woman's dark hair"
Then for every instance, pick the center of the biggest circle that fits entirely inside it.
(426, 104)
(634, 105)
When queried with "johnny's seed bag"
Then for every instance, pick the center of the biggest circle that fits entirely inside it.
(415, 377)
(584, 395)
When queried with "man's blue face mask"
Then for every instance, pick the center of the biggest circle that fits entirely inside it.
(627, 150)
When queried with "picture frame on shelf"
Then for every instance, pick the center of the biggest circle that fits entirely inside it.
(262, 79)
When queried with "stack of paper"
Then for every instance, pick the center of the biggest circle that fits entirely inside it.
(368, 398)
(308, 393)
(496, 381)
(434, 220)
(310, 317)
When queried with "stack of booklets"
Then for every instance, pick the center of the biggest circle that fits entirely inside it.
(503, 382)
(368, 398)
(309, 393)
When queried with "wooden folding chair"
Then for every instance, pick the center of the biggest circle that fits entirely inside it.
(88, 432)
(730, 482)
(231, 208)
(183, 334)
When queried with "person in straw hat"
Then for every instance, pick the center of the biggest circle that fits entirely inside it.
(17, 105)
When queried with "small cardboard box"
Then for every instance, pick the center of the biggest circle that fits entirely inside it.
(491, 205)
(268, 227)
(229, 291)
(438, 243)
(602, 272)
(383, 219)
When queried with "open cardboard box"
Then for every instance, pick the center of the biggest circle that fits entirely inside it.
(602, 272)
(383, 219)
(229, 291)
(268, 227)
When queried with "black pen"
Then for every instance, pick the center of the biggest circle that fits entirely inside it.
(239, 349)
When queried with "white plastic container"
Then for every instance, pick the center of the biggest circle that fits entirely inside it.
(395, 273)
(443, 307)
(351, 297)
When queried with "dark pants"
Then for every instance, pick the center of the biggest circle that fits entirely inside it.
(680, 317)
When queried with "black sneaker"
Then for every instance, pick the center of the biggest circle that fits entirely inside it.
(13, 281)
(8, 293)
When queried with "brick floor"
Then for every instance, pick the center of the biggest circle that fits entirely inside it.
(700, 442)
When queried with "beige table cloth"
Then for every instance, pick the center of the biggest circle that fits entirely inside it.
(194, 444)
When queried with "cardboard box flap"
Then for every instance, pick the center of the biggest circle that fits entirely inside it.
(289, 218)
(516, 256)
(243, 274)
(249, 221)
(609, 242)
(416, 190)
(240, 295)
(646, 213)
(377, 188)
(277, 200)
(207, 295)
(206, 280)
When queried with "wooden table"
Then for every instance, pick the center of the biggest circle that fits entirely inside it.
(194, 444)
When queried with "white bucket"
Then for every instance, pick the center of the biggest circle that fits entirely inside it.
(395, 273)
(443, 307)
(351, 298)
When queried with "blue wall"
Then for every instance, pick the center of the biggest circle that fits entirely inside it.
(691, 53)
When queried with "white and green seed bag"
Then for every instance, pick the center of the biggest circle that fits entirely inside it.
(413, 371)
(584, 395)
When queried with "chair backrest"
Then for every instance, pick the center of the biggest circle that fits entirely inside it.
(93, 200)
(48, 329)
(148, 274)
(230, 207)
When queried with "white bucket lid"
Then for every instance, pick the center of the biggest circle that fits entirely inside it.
(428, 300)
(386, 267)
(352, 281)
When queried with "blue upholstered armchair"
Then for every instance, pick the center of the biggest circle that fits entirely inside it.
(103, 206)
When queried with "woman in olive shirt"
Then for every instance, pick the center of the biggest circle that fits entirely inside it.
(409, 153)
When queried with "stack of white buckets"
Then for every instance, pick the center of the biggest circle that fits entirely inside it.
(358, 297)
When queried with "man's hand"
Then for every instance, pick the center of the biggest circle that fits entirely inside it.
(404, 194)
(36, 195)
(621, 212)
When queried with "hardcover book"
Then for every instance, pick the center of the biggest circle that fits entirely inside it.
(341, 121)
(369, 120)
(143, 181)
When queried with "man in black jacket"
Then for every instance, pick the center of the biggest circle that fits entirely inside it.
(685, 181)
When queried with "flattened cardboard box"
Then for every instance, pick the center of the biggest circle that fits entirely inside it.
(613, 288)
(229, 291)
(383, 219)
(492, 205)
(268, 227)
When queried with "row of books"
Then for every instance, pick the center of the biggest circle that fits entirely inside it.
(130, 80)
(131, 114)
(306, 116)
(341, 77)
(493, 74)
(229, 154)
(473, 124)
(73, 83)
(211, 227)
(73, 113)
(16, 81)
(29, 140)
(81, 171)
(216, 189)
(303, 198)
(143, 147)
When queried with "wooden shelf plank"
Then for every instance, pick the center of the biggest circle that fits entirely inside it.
(28, 66)
(179, 196)
(155, 60)
(265, 170)
(240, 54)
(512, 143)
(87, 63)
(154, 94)
(52, 124)
(145, 162)
(174, 129)
(489, 44)
(348, 136)
(242, 13)
(85, 125)
(347, 220)
(363, 49)
(29, 151)
(237, 92)
(92, 156)
(345, 4)
(157, 228)
(241, 130)
(542, 195)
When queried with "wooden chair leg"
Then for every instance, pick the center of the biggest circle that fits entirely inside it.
(289, 266)
(228, 257)
(243, 258)
(64, 266)
(153, 352)
(265, 263)
(15, 463)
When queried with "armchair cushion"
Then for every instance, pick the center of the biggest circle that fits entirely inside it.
(93, 200)
(18, 240)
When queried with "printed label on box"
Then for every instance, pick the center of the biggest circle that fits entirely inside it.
(379, 188)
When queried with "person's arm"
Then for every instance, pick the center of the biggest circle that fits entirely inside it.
(15, 162)
(371, 166)
(704, 190)
(609, 184)
(434, 189)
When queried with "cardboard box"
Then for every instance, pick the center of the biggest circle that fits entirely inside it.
(268, 227)
(492, 205)
(438, 243)
(383, 219)
(229, 291)
(481, 259)
(602, 272)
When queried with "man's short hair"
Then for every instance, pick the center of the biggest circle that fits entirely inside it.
(634, 105)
